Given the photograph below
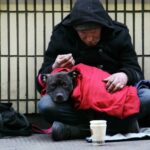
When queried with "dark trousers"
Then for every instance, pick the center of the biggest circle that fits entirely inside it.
(65, 113)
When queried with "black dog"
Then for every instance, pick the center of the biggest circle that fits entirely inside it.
(60, 85)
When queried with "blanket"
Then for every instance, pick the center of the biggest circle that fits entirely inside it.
(90, 93)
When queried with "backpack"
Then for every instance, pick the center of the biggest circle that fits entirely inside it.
(13, 123)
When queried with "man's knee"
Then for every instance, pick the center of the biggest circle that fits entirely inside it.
(144, 95)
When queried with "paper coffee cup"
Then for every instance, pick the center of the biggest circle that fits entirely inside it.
(98, 131)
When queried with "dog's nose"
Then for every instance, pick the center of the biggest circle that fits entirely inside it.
(59, 97)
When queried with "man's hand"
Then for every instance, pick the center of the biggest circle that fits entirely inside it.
(116, 82)
(63, 61)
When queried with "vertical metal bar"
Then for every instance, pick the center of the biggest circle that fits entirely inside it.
(71, 4)
(0, 60)
(125, 9)
(44, 26)
(18, 77)
(142, 39)
(35, 29)
(35, 35)
(133, 13)
(26, 55)
(107, 5)
(8, 26)
(116, 10)
(62, 9)
(53, 13)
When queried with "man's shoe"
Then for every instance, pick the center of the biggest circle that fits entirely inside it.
(62, 131)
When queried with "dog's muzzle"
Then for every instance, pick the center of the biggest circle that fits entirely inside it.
(60, 98)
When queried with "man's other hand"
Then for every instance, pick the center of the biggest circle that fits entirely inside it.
(116, 82)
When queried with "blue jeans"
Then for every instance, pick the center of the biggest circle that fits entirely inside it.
(65, 112)
(144, 95)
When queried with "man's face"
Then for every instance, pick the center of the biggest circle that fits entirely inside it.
(91, 36)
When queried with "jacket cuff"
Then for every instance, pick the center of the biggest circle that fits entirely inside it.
(129, 75)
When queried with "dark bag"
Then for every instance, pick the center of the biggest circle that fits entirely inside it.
(13, 123)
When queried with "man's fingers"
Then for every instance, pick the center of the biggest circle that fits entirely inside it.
(63, 58)
(117, 87)
(65, 61)
(109, 82)
(110, 86)
(115, 82)
(113, 85)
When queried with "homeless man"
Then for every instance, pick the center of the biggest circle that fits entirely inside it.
(89, 36)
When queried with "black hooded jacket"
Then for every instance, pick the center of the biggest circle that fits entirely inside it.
(113, 53)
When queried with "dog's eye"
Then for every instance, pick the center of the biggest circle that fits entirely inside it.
(53, 85)
(64, 84)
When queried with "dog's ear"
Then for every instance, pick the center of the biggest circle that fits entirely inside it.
(73, 74)
(44, 77)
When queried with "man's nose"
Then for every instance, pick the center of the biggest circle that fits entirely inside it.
(89, 38)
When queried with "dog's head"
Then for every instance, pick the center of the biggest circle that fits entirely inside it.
(60, 85)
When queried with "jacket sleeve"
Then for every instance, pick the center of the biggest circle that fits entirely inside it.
(128, 59)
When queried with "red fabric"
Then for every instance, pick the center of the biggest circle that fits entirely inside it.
(90, 93)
